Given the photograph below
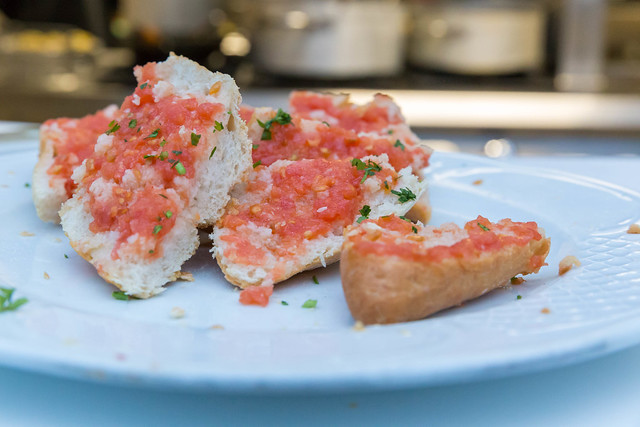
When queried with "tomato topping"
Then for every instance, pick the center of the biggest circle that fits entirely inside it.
(153, 145)
(256, 295)
(404, 239)
(77, 144)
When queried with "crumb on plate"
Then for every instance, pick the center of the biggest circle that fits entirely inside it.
(634, 229)
(177, 312)
(567, 264)
(358, 326)
(545, 311)
(26, 234)
(477, 182)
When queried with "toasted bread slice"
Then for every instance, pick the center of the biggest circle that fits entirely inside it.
(290, 216)
(379, 119)
(64, 144)
(394, 271)
(164, 167)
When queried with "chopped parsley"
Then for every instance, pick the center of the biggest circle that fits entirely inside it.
(66, 256)
(281, 118)
(6, 304)
(163, 143)
(119, 295)
(27, 185)
(157, 229)
(315, 280)
(390, 131)
(143, 85)
(404, 195)
(163, 155)
(386, 185)
(414, 229)
(283, 302)
(195, 138)
(153, 134)
(133, 123)
(176, 152)
(255, 146)
(113, 127)
(519, 297)
(149, 156)
(483, 227)
(364, 213)
(163, 196)
(218, 126)
(328, 125)
(256, 164)
(213, 151)
(168, 214)
(370, 168)
(180, 168)
(399, 144)
(310, 303)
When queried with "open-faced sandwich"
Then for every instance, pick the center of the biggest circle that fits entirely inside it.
(395, 271)
(64, 144)
(164, 166)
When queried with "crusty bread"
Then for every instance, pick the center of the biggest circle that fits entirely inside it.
(379, 118)
(252, 243)
(392, 274)
(167, 165)
(64, 144)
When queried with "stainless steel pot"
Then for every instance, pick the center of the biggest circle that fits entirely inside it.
(330, 39)
(478, 37)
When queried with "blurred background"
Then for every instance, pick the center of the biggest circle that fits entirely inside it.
(494, 76)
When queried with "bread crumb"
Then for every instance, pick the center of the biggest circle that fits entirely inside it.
(634, 229)
(517, 280)
(477, 182)
(405, 333)
(177, 312)
(185, 276)
(567, 264)
(545, 311)
(46, 276)
(359, 326)
(26, 234)
(57, 240)
(219, 327)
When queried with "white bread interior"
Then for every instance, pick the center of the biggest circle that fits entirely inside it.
(208, 191)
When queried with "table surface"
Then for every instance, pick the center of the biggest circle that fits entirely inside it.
(599, 392)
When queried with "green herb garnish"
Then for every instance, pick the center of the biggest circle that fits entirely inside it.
(315, 280)
(163, 196)
(176, 152)
(195, 138)
(163, 155)
(168, 214)
(519, 297)
(113, 127)
(66, 256)
(153, 134)
(157, 229)
(364, 213)
(404, 195)
(414, 229)
(163, 143)
(213, 151)
(148, 156)
(27, 185)
(390, 131)
(370, 168)
(256, 164)
(283, 302)
(218, 126)
(143, 85)
(310, 303)
(6, 304)
(483, 227)
(399, 144)
(119, 295)
(328, 125)
(255, 146)
(133, 123)
(180, 168)
(281, 118)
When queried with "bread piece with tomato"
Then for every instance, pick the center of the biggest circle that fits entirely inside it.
(396, 271)
(164, 167)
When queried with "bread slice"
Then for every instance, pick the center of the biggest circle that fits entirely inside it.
(290, 215)
(379, 119)
(64, 144)
(394, 271)
(165, 167)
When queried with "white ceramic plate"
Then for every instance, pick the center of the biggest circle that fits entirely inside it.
(73, 327)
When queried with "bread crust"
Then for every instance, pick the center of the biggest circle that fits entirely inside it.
(389, 289)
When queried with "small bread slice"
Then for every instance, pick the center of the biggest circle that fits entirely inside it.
(379, 119)
(64, 144)
(290, 216)
(394, 271)
(164, 167)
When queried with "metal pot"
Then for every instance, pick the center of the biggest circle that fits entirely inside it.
(478, 37)
(331, 39)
